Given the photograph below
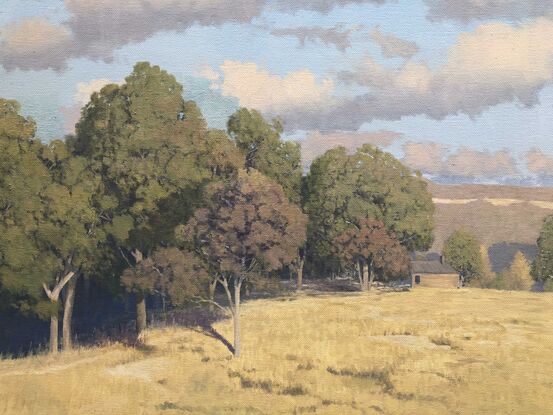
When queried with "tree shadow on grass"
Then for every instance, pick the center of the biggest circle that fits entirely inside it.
(200, 320)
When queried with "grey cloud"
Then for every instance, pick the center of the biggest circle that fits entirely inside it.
(467, 10)
(322, 6)
(539, 163)
(392, 46)
(318, 143)
(443, 162)
(489, 66)
(95, 29)
(337, 36)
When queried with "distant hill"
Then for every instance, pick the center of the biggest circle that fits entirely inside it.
(504, 218)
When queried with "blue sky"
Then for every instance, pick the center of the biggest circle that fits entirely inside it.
(431, 74)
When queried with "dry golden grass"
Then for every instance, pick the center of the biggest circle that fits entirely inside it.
(429, 351)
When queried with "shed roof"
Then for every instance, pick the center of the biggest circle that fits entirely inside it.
(431, 267)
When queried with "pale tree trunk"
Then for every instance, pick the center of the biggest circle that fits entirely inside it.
(365, 284)
(299, 282)
(371, 278)
(140, 298)
(212, 288)
(68, 313)
(54, 331)
(358, 265)
(54, 296)
(236, 317)
(141, 318)
(234, 306)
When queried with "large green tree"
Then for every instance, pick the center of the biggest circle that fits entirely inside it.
(49, 226)
(248, 229)
(153, 153)
(264, 150)
(462, 252)
(343, 189)
(542, 268)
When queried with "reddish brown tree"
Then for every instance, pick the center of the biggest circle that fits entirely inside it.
(373, 250)
(175, 275)
(248, 229)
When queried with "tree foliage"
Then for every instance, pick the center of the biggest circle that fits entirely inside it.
(517, 277)
(542, 268)
(486, 278)
(266, 152)
(462, 252)
(377, 250)
(342, 190)
(248, 228)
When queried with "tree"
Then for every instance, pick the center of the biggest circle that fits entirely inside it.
(462, 252)
(342, 190)
(49, 222)
(249, 228)
(487, 278)
(153, 154)
(174, 274)
(542, 268)
(266, 152)
(518, 277)
(374, 249)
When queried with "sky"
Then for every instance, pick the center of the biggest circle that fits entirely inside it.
(461, 90)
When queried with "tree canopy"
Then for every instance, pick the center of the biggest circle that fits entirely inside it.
(542, 268)
(342, 190)
(375, 249)
(248, 228)
(264, 150)
(462, 252)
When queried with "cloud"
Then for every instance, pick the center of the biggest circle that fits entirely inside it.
(96, 28)
(392, 46)
(337, 36)
(209, 73)
(467, 10)
(441, 161)
(539, 163)
(322, 6)
(494, 64)
(257, 88)
(426, 157)
(86, 89)
(34, 43)
(318, 143)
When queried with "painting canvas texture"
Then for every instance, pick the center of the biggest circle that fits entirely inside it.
(276, 207)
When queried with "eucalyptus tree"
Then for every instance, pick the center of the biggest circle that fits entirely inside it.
(344, 189)
(48, 226)
(153, 153)
(248, 228)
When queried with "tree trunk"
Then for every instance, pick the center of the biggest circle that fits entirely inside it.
(141, 320)
(236, 318)
(54, 296)
(359, 272)
(212, 288)
(54, 332)
(68, 313)
(371, 278)
(299, 282)
(365, 285)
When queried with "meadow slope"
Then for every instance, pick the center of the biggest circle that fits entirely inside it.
(422, 352)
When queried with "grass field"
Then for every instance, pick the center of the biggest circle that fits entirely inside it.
(425, 352)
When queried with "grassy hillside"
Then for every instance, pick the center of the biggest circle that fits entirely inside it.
(495, 214)
(421, 352)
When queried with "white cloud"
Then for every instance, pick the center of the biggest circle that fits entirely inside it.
(494, 64)
(257, 88)
(393, 46)
(466, 10)
(86, 89)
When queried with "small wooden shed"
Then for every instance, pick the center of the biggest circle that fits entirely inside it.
(435, 274)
